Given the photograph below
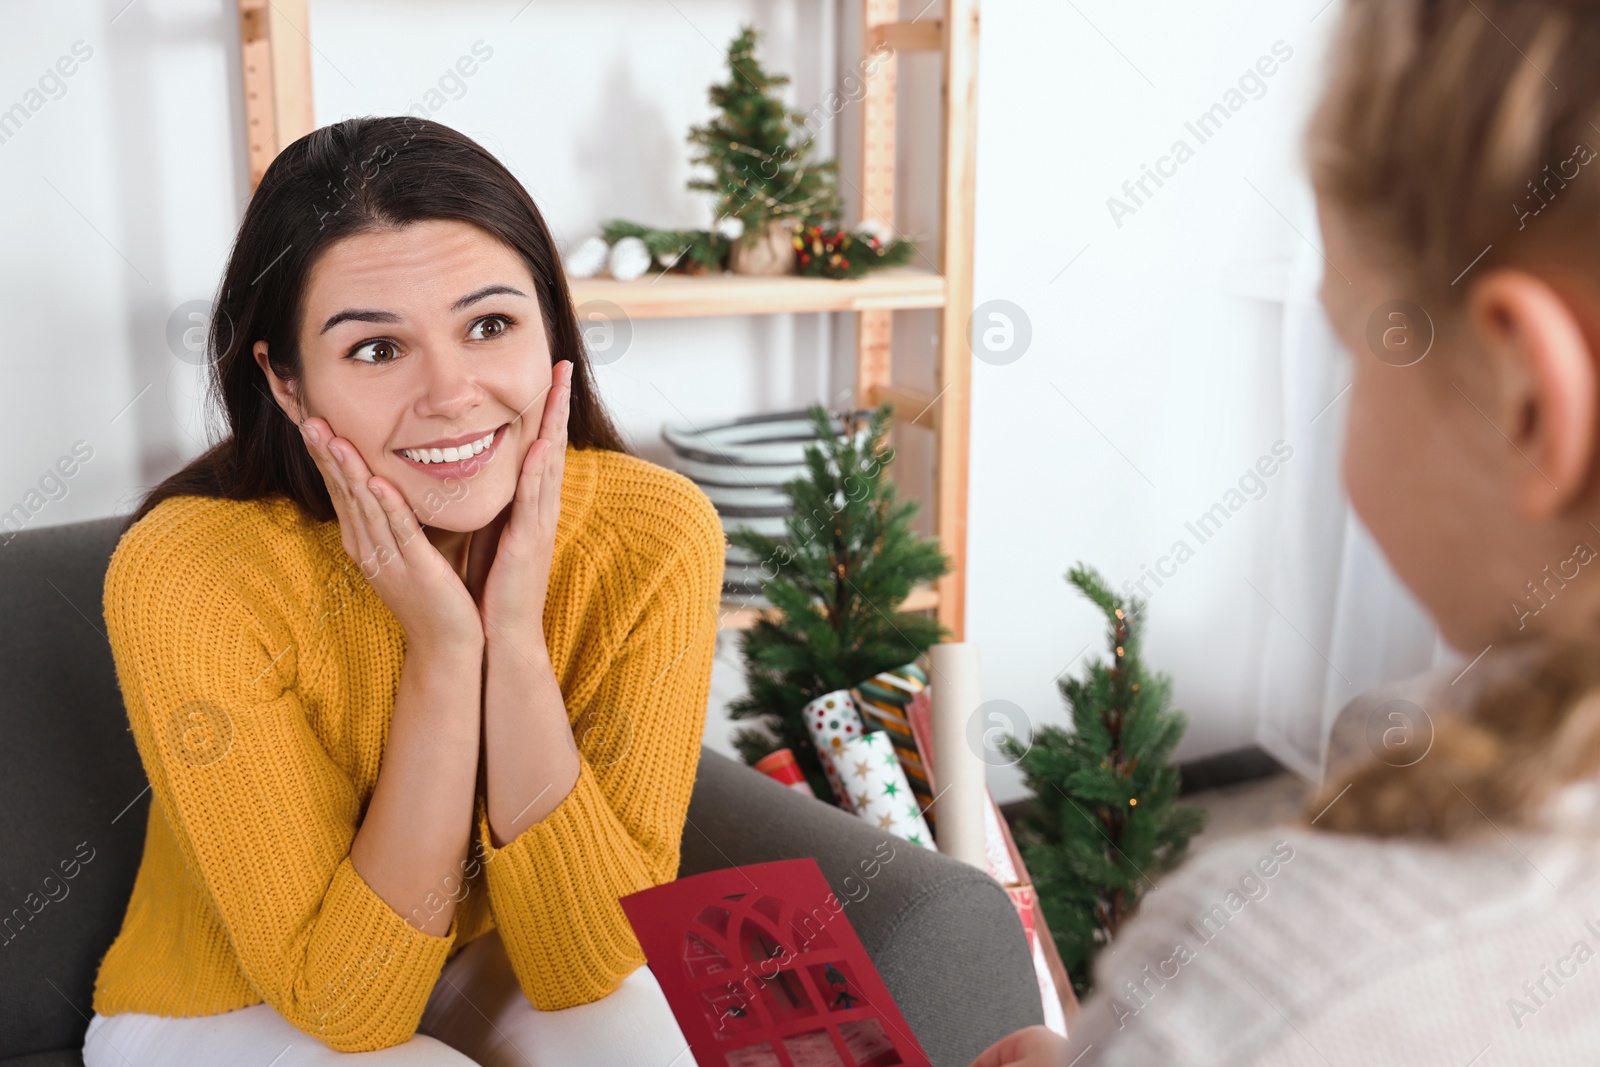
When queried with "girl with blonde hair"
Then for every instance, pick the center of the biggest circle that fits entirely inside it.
(1439, 903)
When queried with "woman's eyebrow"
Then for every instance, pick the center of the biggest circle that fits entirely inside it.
(354, 315)
(488, 290)
(358, 315)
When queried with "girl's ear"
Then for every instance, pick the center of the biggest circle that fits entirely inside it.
(1542, 366)
(283, 392)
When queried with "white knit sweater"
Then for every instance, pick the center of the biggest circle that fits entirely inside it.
(1298, 947)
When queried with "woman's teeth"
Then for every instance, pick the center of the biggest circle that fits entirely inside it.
(450, 455)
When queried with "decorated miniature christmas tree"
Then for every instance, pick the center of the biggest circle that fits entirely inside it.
(776, 210)
(756, 151)
(1104, 817)
(838, 579)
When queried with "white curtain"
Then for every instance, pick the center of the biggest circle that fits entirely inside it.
(1342, 622)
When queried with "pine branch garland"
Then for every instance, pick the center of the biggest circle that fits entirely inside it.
(827, 251)
(689, 251)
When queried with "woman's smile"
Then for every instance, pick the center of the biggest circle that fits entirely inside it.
(458, 458)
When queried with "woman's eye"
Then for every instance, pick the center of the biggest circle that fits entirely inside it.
(489, 327)
(379, 352)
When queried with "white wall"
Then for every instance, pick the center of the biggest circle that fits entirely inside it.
(1148, 388)
(118, 201)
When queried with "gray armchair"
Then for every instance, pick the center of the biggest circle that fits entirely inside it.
(943, 935)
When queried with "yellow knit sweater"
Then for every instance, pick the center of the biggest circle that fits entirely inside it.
(259, 670)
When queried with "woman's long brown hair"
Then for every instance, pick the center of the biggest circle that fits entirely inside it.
(353, 177)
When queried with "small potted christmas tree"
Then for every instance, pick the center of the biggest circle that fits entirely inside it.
(757, 157)
(776, 211)
(838, 580)
(1104, 818)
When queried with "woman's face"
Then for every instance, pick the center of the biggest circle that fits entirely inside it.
(422, 337)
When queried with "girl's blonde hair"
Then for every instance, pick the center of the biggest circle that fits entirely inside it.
(1490, 764)
(1453, 130)
(1443, 131)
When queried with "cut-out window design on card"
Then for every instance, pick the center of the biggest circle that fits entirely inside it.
(767, 972)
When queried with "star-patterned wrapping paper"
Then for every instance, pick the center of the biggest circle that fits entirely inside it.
(833, 720)
(882, 700)
(878, 790)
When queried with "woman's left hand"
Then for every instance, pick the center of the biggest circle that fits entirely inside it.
(509, 560)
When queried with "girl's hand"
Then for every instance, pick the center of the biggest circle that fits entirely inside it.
(1036, 1046)
(508, 562)
(381, 534)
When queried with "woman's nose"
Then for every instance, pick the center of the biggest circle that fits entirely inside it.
(449, 384)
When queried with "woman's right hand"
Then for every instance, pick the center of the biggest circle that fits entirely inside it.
(380, 533)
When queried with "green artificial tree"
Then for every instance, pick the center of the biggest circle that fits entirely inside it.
(756, 151)
(837, 581)
(1104, 818)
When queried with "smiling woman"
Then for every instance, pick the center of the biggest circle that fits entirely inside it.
(419, 557)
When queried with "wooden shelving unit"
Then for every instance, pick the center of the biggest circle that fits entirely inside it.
(276, 51)
(671, 296)
(736, 616)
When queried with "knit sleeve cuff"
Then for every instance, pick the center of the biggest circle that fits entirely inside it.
(554, 891)
(397, 971)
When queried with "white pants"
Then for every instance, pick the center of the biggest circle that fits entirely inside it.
(476, 1015)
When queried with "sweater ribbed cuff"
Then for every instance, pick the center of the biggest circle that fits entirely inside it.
(376, 998)
(554, 891)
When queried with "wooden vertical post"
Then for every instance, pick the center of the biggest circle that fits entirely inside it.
(957, 195)
(275, 49)
(874, 329)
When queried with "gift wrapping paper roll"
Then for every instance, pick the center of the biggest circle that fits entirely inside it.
(832, 720)
(783, 768)
(996, 856)
(919, 716)
(957, 692)
(879, 792)
(1026, 900)
(882, 700)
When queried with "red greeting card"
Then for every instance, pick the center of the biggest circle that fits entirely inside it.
(762, 969)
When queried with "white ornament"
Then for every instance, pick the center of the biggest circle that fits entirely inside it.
(629, 259)
(588, 258)
(731, 227)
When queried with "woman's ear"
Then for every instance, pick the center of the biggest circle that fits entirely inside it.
(283, 392)
(1543, 369)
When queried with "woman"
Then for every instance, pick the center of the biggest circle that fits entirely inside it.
(399, 782)
(1440, 901)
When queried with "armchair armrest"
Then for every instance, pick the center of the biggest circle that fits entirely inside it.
(943, 934)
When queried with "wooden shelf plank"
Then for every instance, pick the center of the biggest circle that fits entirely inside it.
(664, 296)
(738, 616)
(911, 36)
(911, 407)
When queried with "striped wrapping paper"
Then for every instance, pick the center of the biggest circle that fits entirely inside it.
(883, 700)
